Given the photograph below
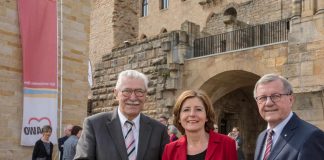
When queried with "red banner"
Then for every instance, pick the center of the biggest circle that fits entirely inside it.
(38, 29)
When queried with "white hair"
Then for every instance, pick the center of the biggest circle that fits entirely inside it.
(272, 77)
(131, 74)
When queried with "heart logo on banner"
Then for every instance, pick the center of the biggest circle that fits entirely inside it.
(40, 119)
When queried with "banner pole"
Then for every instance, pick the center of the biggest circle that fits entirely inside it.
(60, 35)
(61, 53)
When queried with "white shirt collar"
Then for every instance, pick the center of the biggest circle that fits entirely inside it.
(136, 121)
(123, 119)
(278, 129)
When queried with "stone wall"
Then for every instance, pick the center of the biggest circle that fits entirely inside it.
(76, 25)
(210, 16)
(305, 59)
(227, 77)
(112, 22)
(149, 56)
(101, 29)
(304, 66)
(248, 14)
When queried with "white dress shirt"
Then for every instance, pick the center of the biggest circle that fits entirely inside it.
(123, 119)
(277, 131)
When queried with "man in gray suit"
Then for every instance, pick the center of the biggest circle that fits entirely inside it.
(104, 135)
(287, 137)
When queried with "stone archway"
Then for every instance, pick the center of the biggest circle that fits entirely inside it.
(239, 109)
(232, 96)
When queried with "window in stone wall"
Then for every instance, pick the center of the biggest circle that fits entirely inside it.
(145, 8)
(164, 4)
(231, 11)
(230, 15)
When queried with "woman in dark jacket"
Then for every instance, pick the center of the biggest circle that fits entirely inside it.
(43, 148)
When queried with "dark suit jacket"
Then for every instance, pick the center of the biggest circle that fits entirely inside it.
(240, 154)
(60, 145)
(298, 140)
(220, 147)
(102, 138)
(40, 151)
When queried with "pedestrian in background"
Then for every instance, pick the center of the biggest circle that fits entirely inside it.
(71, 142)
(43, 148)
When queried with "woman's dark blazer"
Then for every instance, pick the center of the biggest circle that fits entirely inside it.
(40, 151)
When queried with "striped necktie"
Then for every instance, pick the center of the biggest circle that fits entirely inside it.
(130, 140)
(269, 145)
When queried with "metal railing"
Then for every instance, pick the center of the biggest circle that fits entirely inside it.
(268, 33)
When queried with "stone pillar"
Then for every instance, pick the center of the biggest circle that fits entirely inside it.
(320, 7)
(308, 8)
(192, 30)
(296, 8)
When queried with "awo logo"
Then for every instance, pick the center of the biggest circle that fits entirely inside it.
(38, 122)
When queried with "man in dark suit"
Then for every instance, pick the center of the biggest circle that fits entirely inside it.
(239, 142)
(105, 135)
(287, 137)
(67, 133)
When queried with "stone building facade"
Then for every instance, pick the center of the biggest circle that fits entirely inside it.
(114, 36)
(76, 28)
(164, 47)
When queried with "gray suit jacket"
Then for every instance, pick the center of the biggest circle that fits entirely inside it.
(102, 138)
(298, 140)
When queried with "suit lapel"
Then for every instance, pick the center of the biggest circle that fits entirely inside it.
(213, 144)
(286, 134)
(181, 145)
(116, 133)
(144, 136)
(259, 146)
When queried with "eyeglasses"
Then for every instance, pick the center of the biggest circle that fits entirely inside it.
(274, 98)
(137, 92)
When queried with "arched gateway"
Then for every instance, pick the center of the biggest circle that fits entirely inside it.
(232, 95)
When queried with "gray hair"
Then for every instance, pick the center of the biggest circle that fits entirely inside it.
(172, 129)
(47, 128)
(272, 77)
(131, 74)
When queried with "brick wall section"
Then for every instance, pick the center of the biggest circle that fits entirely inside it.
(75, 46)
